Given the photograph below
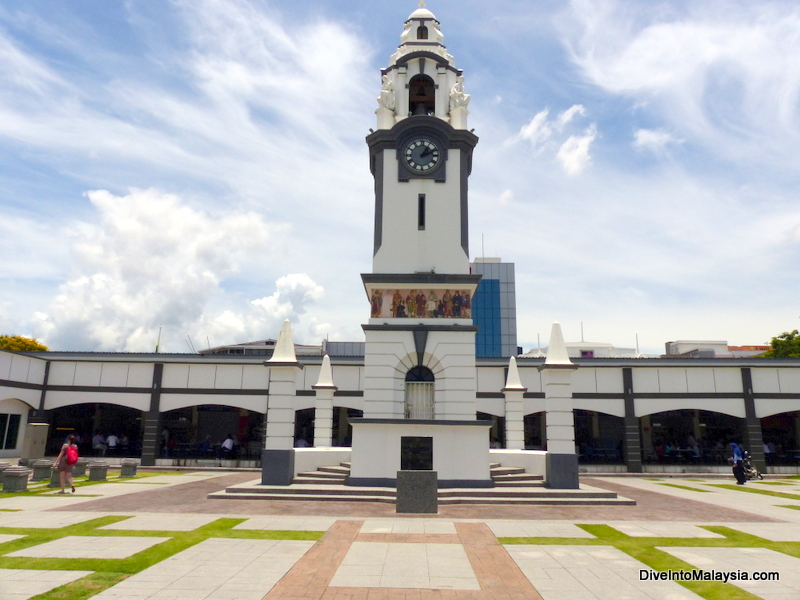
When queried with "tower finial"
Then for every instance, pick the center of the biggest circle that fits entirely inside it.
(421, 4)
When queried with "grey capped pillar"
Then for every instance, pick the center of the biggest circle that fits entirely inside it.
(277, 458)
(562, 461)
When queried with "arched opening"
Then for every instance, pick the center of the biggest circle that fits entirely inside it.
(304, 428)
(342, 430)
(781, 435)
(422, 32)
(689, 436)
(419, 393)
(599, 437)
(92, 424)
(497, 434)
(535, 432)
(421, 96)
(199, 431)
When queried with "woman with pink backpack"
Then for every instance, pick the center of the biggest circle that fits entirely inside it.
(65, 462)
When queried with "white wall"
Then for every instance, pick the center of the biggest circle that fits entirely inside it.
(459, 452)
(15, 407)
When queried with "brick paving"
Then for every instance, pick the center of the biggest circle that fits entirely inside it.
(498, 575)
(191, 498)
(503, 573)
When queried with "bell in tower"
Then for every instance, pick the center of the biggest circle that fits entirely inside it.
(422, 78)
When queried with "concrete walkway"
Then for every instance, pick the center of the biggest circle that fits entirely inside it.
(368, 552)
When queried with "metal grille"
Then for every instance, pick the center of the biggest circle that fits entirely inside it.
(419, 400)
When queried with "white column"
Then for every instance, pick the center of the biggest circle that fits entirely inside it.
(515, 417)
(558, 407)
(401, 94)
(442, 93)
(283, 368)
(280, 407)
(323, 409)
(562, 461)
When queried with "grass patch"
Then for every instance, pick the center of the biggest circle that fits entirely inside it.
(740, 488)
(646, 550)
(684, 487)
(108, 572)
(651, 479)
(773, 482)
(792, 506)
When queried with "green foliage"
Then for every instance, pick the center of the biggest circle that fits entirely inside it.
(786, 345)
(18, 343)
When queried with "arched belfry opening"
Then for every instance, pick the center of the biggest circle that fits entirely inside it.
(421, 96)
(422, 32)
(419, 393)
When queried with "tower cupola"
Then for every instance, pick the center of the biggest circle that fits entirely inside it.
(422, 78)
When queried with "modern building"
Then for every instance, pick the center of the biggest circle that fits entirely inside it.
(425, 378)
(494, 309)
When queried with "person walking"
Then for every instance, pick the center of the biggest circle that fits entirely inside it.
(65, 462)
(736, 460)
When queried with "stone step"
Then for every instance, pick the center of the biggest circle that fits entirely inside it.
(339, 470)
(496, 471)
(540, 501)
(324, 474)
(518, 484)
(318, 497)
(518, 477)
(308, 491)
(311, 480)
(526, 493)
(345, 464)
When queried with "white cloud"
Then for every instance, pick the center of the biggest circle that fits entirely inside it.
(538, 130)
(655, 140)
(553, 135)
(506, 198)
(723, 75)
(574, 153)
(154, 262)
(565, 117)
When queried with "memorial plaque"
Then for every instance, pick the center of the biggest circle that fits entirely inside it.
(416, 453)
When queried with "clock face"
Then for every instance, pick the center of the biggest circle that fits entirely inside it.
(421, 155)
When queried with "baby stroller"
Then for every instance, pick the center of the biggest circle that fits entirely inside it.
(749, 470)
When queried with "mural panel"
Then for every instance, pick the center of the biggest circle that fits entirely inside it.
(421, 303)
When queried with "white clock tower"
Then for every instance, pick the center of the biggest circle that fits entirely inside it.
(420, 339)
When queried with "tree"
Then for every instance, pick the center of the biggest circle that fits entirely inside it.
(18, 343)
(786, 345)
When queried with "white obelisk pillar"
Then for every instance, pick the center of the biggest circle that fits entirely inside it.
(323, 410)
(562, 461)
(515, 417)
(277, 458)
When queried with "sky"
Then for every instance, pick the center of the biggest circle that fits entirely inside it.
(198, 167)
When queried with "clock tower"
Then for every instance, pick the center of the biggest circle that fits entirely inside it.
(420, 338)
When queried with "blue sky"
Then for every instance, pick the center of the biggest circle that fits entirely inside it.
(200, 166)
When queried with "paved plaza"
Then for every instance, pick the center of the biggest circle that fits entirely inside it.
(159, 537)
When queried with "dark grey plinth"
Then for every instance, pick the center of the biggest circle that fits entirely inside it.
(277, 467)
(417, 492)
(79, 468)
(129, 467)
(55, 479)
(15, 479)
(41, 470)
(562, 471)
(24, 462)
(3, 467)
(98, 471)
